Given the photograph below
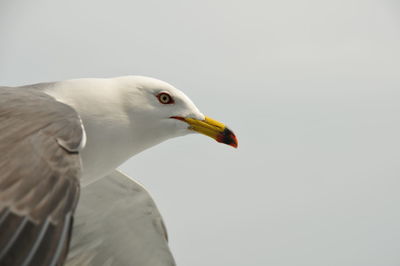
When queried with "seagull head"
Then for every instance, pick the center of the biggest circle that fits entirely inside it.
(161, 111)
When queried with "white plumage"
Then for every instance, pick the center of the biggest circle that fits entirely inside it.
(122, 117)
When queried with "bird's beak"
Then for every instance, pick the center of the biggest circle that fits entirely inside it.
(211, 128)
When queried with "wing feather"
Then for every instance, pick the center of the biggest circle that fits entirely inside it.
(40, 168)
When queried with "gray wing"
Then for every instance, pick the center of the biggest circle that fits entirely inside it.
(39, 177)
(117, 223)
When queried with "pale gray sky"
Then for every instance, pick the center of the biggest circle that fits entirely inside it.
(311, 88)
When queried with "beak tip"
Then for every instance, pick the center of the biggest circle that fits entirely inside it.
(234, 143)
(234, 146)
(228, 137)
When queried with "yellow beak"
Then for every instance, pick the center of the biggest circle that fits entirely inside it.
(211, 128)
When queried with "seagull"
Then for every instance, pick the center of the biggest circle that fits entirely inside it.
(62, 201)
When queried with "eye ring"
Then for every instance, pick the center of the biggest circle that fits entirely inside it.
(165, 98)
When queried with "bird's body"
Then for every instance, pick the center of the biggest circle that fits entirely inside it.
(113, 119)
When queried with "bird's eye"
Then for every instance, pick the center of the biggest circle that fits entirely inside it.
(165, 98)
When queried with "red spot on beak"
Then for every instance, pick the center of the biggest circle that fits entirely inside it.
(228, 137)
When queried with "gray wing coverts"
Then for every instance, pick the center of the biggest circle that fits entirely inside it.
(39, 177)
(118, 224)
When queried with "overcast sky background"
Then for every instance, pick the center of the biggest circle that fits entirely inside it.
(311, 88)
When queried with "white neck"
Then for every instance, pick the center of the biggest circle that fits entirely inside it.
(110, 132)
